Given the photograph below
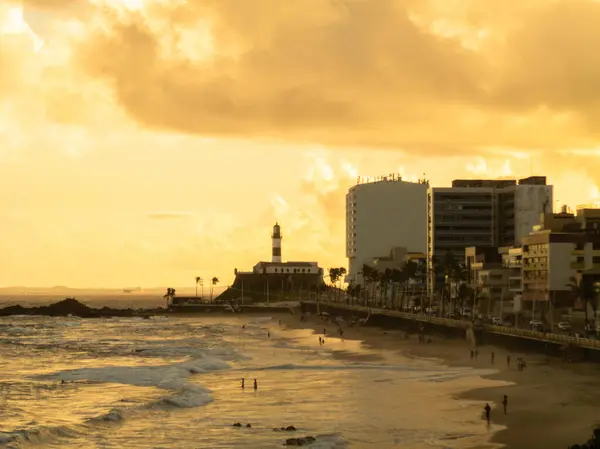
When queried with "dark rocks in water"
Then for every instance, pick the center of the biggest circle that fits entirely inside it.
(237, 424)
(300, 441)
(248, 426)
(66, 307)
(285, 429)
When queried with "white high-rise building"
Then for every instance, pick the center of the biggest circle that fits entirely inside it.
(381, 215)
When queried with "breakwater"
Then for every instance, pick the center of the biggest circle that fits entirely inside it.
(72, 307)
(523, 340)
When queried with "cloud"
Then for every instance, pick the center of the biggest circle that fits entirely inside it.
(169, 215)
(380, 73)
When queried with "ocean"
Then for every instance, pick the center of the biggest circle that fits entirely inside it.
(174, 382)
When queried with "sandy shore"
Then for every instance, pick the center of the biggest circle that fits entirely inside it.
(551, 404)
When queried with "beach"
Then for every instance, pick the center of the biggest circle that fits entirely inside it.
(551, 403)
(174, 381)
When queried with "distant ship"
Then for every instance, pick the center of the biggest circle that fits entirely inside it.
(132, 290)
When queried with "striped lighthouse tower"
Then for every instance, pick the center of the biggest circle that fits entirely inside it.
(276, 238)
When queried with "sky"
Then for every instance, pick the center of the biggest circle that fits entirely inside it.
(147, 142)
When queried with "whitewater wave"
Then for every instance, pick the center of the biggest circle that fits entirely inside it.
(167, 377)
(45, 434)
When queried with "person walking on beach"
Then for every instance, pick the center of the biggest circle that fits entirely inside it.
(472, 354)
(269, 334)
(488, 411)
(505, 403)
(243, 383)
(508, 360)
(255, 385)
(324, 331)
(493, 357)
(320, 341)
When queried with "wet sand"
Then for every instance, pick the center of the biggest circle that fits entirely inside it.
(551, 403)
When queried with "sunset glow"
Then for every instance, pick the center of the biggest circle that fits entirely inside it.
(146, 142)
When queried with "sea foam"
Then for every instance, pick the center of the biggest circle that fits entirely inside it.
(167, 377)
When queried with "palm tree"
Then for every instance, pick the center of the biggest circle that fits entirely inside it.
(341, 273)
(397, 279)
(198, 279)
(410, 271)
(214, 281)
(334, 275)
(169, 295)
(384, 282)
(577, 293)
(458, 277)
(367, 274)
(371, 277)
(449, 266)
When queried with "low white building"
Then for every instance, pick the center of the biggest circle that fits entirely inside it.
(297, 268)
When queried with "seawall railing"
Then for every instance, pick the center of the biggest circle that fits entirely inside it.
(502, 330)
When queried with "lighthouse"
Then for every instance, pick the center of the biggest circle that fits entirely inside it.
(276, 238)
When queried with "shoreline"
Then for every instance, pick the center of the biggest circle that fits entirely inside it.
(551, 404)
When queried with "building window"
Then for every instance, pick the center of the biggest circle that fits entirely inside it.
(596, 259)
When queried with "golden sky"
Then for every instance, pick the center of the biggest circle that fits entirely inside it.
(145, 142)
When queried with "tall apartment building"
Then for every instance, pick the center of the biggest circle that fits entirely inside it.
(480, 212)
(382, 215)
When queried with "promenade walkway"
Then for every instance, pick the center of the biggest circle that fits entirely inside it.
(463, 324)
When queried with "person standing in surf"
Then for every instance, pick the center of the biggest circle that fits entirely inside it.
(243, 383)
(488, 411)
(255, 385)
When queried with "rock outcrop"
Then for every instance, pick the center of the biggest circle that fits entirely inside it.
(300, 441)
(71, 306)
